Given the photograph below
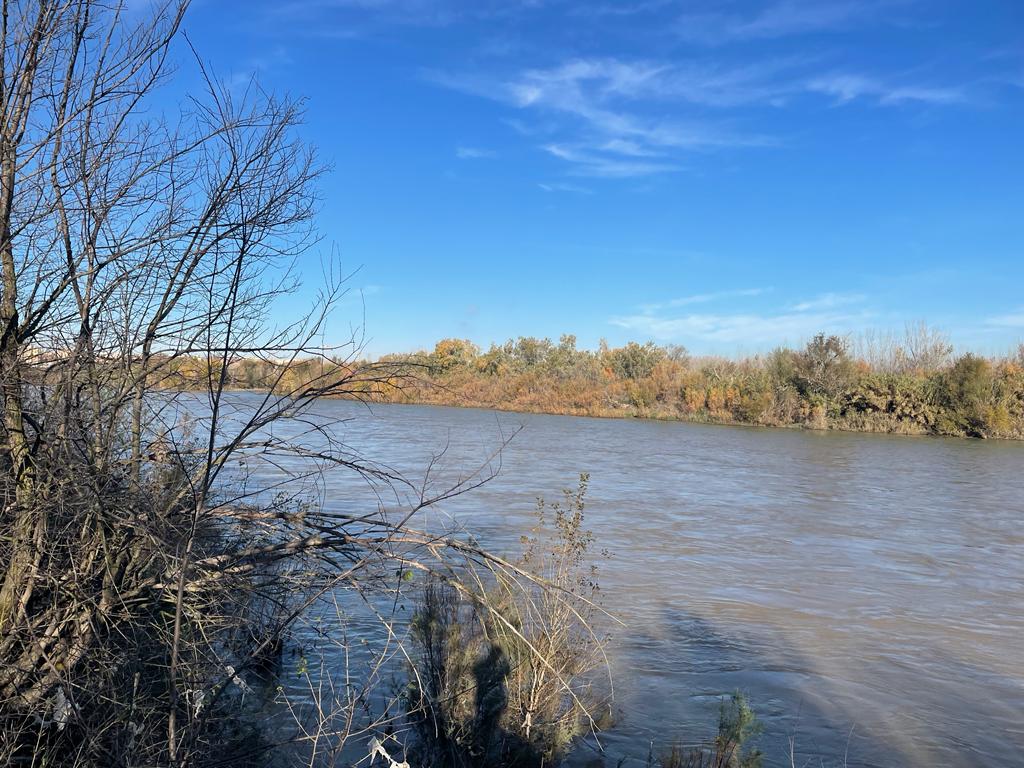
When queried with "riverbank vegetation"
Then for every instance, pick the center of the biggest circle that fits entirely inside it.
(912, 384)
(509, 674)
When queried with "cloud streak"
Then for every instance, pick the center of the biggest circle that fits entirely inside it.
(825, 313)
(848, 87)
(613, 113)
(561, 186)
(606, 165)
(1014, 319)
(776, 20)
(627, 116)
(704, 298)
(829, 301)
(615, 118)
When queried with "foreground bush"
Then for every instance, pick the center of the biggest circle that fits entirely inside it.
(502, 676)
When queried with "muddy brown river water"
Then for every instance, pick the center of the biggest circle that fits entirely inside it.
(865, 592)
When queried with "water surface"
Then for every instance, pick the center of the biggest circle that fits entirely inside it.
(865, 592)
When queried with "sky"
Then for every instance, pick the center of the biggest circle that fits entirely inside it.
(728, 176)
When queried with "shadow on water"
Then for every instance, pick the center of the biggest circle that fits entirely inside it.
(689, 667)
(692, 663)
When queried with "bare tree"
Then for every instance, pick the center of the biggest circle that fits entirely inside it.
(921, 349)
(144, 571)
(140, 570)
(925, 349)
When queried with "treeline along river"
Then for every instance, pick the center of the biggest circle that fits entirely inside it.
(865, 592)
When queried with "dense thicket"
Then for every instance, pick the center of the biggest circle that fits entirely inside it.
(912, 384)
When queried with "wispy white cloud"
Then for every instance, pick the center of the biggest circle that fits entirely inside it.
(629, 148)
(615, 112)
(826, 313)
(619, 117)
(829, 301)
(562, 186)
(616, 118)
(619, 8)
(778, 19)
(252, 69)
(847, 87)
(741, 328)
(593, 163)
(609, 92)
(1013, 319)
(704, 298)
(474, 153)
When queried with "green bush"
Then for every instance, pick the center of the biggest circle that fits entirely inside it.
(737, 725)
(967, 392)
(636, 361)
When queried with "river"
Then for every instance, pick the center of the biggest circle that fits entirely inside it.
(865, 592)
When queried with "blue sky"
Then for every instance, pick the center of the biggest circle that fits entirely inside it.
(724, 175)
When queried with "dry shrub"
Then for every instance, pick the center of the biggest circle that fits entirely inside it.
(501, 675)
(887, 384)
(694, 395)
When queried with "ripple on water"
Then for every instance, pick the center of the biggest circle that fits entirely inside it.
(865, 591)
